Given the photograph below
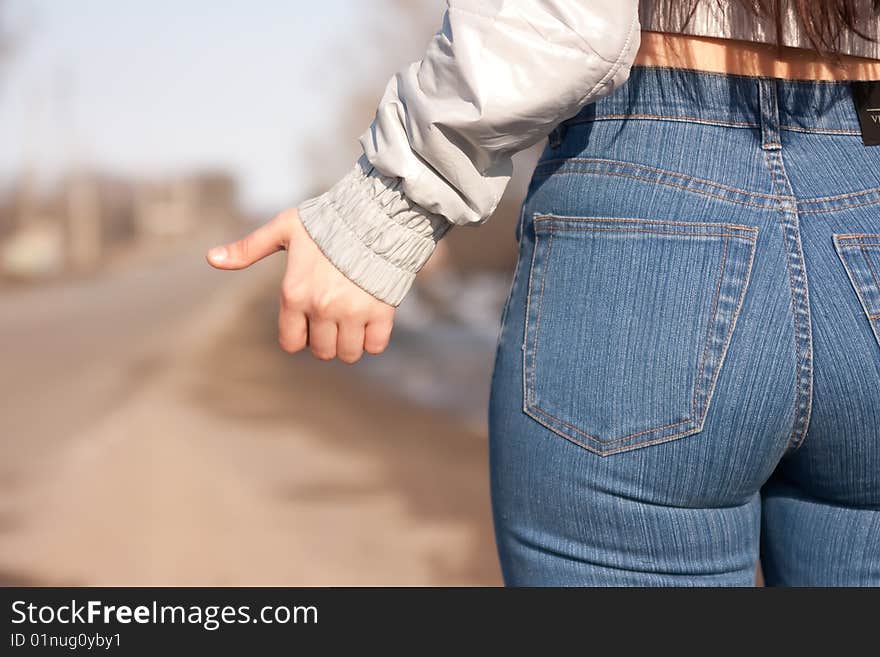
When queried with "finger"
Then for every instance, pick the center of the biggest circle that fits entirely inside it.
(376, 336)
(350, 342)
(322, 338)
(266, 240)
(292, 330)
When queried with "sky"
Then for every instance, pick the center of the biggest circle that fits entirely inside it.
(161, 86)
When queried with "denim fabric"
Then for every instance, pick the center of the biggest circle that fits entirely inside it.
(495, 79)
(687, 376)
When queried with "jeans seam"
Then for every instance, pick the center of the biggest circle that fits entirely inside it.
(531, 387)
(826, 200)
(822, 131)
(585, 229)
(857, 237)
(850, 269)
(799, 298)
(712, 319)
(617, 450)
(662, 117)
(841, 207)
(528, 318)
(836, 197)
(655, 181)
(668, 172)
(876, 279)
(538, 409)
(544, 218)
(734, 318)
(870, 264)
(541, 304)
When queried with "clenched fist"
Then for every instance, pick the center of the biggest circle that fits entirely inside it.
(320, 307)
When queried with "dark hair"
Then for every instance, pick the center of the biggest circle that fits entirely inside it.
(826, 23)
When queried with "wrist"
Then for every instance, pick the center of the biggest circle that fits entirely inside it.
(372, 232)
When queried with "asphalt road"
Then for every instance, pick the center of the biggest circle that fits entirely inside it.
(72, 350)
(152, 433)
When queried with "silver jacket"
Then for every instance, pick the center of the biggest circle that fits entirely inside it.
(496, 78)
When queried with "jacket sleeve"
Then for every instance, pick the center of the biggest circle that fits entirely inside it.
(496, 78)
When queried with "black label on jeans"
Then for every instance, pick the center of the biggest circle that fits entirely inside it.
(866, 95)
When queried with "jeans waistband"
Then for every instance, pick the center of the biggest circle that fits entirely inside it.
(772, 104)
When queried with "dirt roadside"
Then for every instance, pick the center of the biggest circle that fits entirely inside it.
(235, 464)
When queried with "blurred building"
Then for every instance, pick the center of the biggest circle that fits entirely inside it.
(179, 206)
(87, 216)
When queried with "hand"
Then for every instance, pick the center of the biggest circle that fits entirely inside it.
(320, 307)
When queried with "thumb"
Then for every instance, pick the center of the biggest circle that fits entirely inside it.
(266, 240)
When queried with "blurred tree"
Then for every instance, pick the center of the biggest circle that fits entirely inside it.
(383, 47)
(5, 36)
(2, 29)
(6, 208)
(394, 44)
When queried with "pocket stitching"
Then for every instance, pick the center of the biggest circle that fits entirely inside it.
(617, 450)
(528, 315)
(690, 420)
(530, 406)
(530, 397)
(616, 440)
(870, 265)
(540, 310)
(543, 218)
(856, 243)
(712, 319)
(585, 229)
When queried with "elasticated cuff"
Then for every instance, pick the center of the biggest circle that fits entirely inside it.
(372, 232)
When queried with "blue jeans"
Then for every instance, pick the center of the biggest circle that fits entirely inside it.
(687, 377)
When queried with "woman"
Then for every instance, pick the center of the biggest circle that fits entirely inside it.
(687, 371)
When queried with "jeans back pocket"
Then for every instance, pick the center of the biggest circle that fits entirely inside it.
(860, 255)
(627, 325)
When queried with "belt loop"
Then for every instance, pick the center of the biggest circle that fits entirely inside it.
(769, 103)
(554, 139)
